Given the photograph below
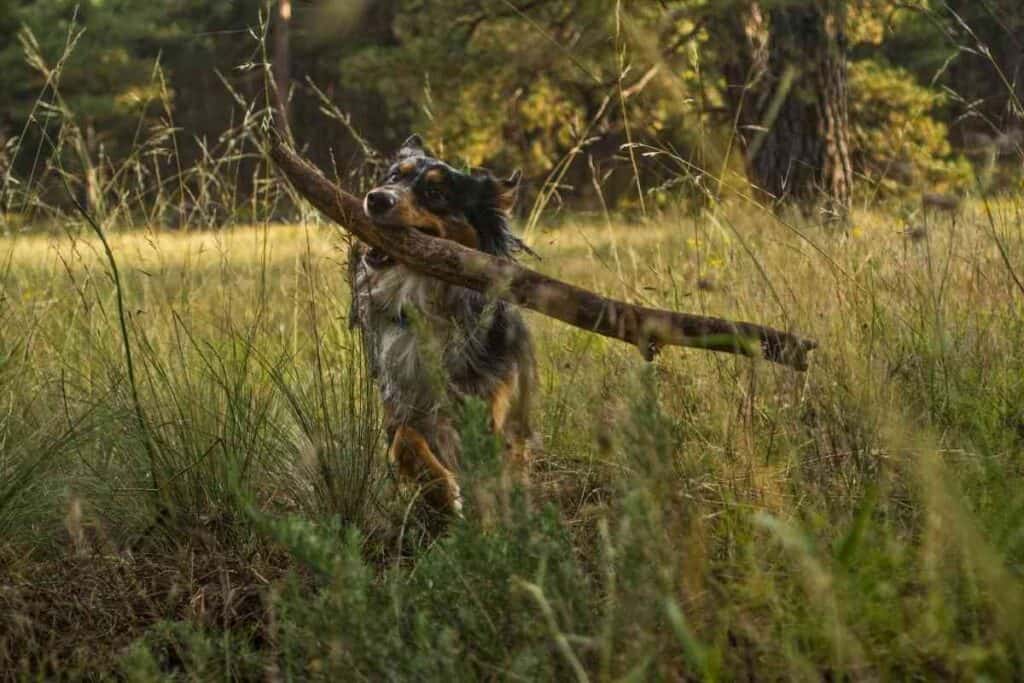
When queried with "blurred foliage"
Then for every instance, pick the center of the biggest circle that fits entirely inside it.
(108, 77)
(898, 141)
(558, 88)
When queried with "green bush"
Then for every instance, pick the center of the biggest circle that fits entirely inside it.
(899, 144)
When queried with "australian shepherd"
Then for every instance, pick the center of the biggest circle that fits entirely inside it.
(431, 345)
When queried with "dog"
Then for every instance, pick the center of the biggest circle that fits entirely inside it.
(431, 345)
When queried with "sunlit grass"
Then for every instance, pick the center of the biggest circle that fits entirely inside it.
(705, 515)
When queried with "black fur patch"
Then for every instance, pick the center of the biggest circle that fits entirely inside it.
(479, 197)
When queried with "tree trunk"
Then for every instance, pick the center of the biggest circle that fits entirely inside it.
(93, 192)
(788, 91)
(282, 58)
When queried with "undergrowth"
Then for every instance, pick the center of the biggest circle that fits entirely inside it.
(703, 516)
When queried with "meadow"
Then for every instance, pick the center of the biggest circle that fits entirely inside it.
(216, 504)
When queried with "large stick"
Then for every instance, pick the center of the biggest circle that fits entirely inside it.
(646, 328)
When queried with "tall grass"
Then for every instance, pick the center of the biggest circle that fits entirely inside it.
(705, 515)
(227, 510)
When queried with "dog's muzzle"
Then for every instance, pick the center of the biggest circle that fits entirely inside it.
(379, 202)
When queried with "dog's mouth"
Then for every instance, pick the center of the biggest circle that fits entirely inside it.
(378, 258)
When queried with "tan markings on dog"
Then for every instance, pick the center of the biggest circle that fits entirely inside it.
(407, 167)
(517, 457)
(415, 460)
(501, 402)
(408, 212)
(434, 175)
(508, 194)
(463, 233)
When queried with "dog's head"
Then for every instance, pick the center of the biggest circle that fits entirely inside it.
(423, 192)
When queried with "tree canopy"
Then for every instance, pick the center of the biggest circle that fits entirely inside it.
(621, 103)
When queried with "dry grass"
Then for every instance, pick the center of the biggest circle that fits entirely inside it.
(705, 516)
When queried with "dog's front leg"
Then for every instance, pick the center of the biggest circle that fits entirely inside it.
(415, 460)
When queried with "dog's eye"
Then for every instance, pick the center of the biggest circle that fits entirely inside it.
(393, 178)
(433, 195)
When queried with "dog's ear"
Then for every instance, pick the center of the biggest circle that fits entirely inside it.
(508, 190)
(498, 193)
(412, 147)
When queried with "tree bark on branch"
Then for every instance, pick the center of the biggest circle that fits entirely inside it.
(648, 329)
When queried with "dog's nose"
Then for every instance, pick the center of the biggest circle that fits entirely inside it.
(379, 202)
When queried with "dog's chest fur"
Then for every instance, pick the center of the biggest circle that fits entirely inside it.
(429, 342)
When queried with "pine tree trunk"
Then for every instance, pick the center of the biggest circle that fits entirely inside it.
(788, 90)
(92, 170)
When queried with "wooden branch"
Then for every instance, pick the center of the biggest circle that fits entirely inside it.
(646, 328)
